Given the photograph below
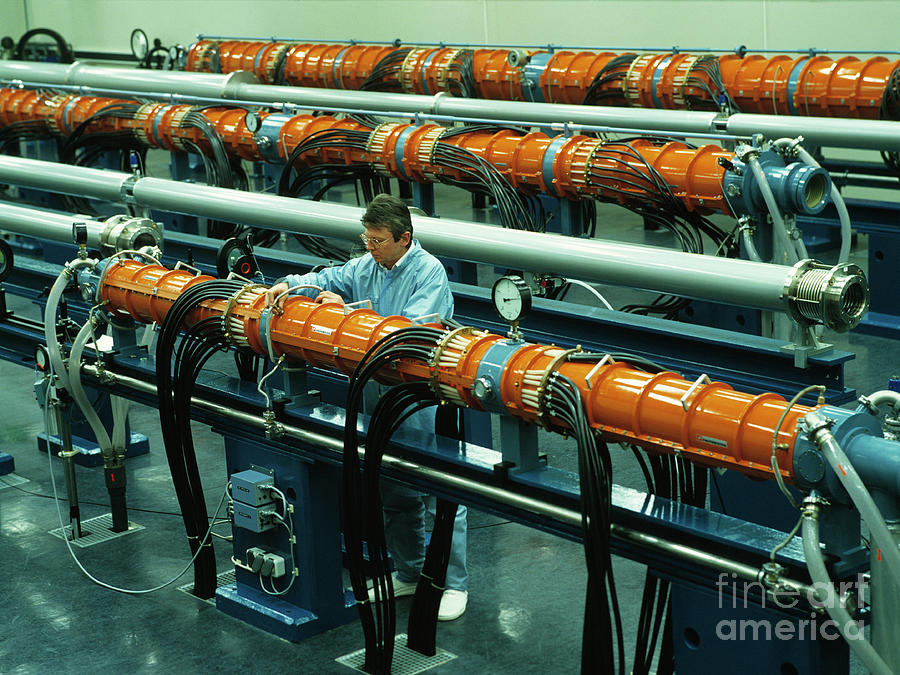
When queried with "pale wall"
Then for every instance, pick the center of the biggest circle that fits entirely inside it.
(105, 25)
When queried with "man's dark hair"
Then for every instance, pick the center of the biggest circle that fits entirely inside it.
(390, 212)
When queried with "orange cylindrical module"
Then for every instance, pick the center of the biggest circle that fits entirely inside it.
(159, 125)
(201, 55)
(585, 166)
(25, 105)
(357, 63)
(74, 110)
(518, 157)
(301, 127)
(237, 55)
(308, 65)
(568, 75)
(429, 71)
(818, 85)
(494, 77)
(711, 423)
(230, 124)
(668, 81)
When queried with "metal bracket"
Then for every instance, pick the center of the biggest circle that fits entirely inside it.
(181, 265)
(350, 306)
(420, 320)
(703, 379)
(602, 362)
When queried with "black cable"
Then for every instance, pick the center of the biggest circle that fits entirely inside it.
(378, 621)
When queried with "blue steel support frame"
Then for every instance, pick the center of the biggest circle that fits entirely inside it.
(317, 600)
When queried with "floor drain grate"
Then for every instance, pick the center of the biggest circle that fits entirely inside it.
(222, 579)
(11, 480)
(94, 531)
(406, 661)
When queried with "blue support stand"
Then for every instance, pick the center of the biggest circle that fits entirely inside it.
(735, 625)
(317, 600)
(7, 463)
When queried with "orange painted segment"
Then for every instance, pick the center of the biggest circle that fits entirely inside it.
(711, 423)
(568, 74)
(199, 58)
(494, 77)
(845, 87)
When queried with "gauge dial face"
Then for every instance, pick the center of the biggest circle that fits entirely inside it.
(139, 44)
(252, 121)
(511, 297)
(41, 358)
(6, 260)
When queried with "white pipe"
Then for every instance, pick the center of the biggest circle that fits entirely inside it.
(885, 397)
(56, 291)
(78, 394)
(841, 617)
(750, 245)
(839, 204)
(594, 291)
(777, 221)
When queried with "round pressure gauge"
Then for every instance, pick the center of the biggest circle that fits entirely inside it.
(511, 297)
(6, 259)
(140, 45)
(41, 358)
(252, 121)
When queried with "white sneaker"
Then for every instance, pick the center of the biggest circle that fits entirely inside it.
(453, 605)
(401, 588)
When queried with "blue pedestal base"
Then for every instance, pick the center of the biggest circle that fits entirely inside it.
(7, 464)
(278, 617)
(89, 453)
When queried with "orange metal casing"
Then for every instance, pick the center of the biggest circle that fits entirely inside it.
(494, 77)
(714, 425)
(199, 56)
(568, 75)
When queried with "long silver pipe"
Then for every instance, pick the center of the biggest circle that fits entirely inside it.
(851, 133)
(559, 514)
(738, 282)
(51, 225)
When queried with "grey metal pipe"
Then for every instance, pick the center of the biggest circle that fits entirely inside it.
(106, 185)
(698, 276)
(738, 282)
(117, 233)
(851, 133)
(50, 225)
(829, 131)
(559, 514)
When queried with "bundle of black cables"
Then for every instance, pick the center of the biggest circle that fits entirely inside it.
(464, 84)
(297, 176)
(385, 76)
(83, 149)
(652, 198)
(27, 130)
(712, 84)
(674, 478)
(602, 618)
(360, 520)
(606, 86)
(679, 480)
(516, 209)
(175, 379)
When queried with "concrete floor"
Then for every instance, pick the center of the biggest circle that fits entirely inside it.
(526, 591)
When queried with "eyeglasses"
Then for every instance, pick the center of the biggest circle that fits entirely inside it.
(376, 243)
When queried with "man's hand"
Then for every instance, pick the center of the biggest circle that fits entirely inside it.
(329, 297)
(274, 292)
